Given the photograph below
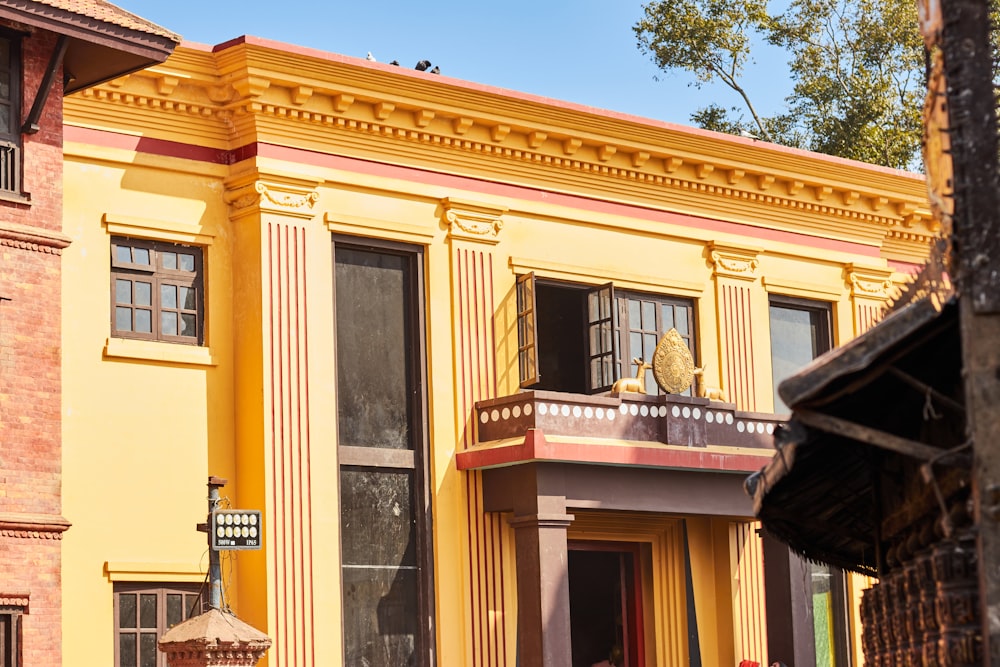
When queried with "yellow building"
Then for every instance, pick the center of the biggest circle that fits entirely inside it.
(388, 307)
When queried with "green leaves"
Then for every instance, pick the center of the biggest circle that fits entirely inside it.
(857, 68)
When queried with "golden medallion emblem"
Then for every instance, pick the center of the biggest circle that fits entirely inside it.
(673, 366)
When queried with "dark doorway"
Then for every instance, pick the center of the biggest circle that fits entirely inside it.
(604, 603)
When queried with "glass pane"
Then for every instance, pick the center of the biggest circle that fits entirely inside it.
(168, 296)
(4, 116)
(682, 321)
(377, 518)
(605, 299)
(189, 324)
(147, 649)
(595, 373)
(123, 291)
(126, 650)
(634, 348)
(593, 307)
(126, 610)
(123, 254)
(192, 606)
(143, 294)
(606, 337)
(186, 298)
(373, 332)
(123, 319)
(822, 603)
(187, 262)
(144, 321)
(169, 260)
(648, 346)
(793, 345)
(380, 617)
(175, 609)
(634, 316)
(147, 610)
(140, 256)
(168, 323)
(649, 315)
(668, 318)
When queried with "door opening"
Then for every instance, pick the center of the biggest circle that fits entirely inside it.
(605, 604)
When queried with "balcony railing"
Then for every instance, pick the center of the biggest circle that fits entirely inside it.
(669, 420)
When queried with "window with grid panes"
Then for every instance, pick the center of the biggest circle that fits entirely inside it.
(642, 320)
(579, 338)
(143, 612)
(156, 291)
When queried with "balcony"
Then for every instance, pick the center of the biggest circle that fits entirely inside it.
(669, 431)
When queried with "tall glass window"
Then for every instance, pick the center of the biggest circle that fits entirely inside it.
(381, 432)
(800, 332)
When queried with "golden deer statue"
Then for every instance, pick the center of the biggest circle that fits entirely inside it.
(711, 393)
(636, 385)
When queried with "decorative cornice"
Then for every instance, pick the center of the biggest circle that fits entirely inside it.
(335, 105)
(733, 261)
(472, 221)
(33, 526)
(868, 282)
(18, 599)
(35, 239)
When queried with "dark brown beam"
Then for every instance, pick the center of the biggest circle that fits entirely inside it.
(42, 94)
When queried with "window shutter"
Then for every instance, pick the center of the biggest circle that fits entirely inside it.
(527, 331)
(601, 334)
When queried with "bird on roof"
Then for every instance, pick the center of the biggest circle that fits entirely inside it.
(436, 70)
(395, 62)
(371, 57)
(422, 65)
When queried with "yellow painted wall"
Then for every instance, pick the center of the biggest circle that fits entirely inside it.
(145, 424)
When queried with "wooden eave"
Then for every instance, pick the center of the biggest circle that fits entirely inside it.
(317, 101)
(868, 420)
(97, 51)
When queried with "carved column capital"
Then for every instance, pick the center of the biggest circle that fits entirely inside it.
(868, 282)
(472, 221)
(284, 197)
(734, 261)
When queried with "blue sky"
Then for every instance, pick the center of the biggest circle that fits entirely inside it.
(581, 51)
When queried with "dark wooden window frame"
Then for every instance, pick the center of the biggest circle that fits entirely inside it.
(158, 275)
(376, 459)
(611, 353)
(623, 362)
(10, 635)
(161, 590)
(782, 580)
(11, 145)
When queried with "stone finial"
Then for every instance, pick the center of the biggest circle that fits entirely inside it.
(214, 638)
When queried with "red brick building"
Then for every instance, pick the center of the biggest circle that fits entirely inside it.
(48, 49)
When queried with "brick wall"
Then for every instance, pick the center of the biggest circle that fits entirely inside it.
(30, 400)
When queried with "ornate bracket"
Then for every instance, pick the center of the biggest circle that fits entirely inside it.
(733, 261)
(472, 221)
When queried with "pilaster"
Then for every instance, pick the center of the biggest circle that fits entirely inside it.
(869, 288)
(283, 357)
(739, 300)
(473, 234)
